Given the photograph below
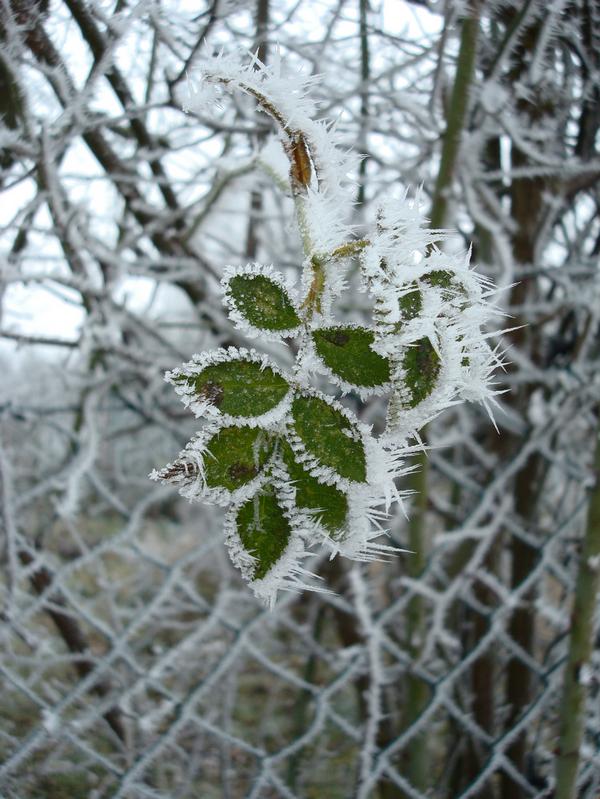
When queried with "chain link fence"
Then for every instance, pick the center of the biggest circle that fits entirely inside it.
(134, 661)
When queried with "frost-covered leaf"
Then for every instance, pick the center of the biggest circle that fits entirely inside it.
(347, 352)
(327, 503)
(395, 307)
(330, 437)
(411, 304)
(235, 455)
(441, 278)
(240, 388)
(220, 464)
(421, 366)
(264, 530)
(231, 382)
(258, 298)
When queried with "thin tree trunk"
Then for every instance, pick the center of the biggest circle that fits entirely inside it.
(417, 692)
(457, 115)
(261, 47)
(68, 628)
(475, 625)
(526, 208)
(365, 76)
(581, 640)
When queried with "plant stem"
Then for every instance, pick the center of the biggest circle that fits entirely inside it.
(365, 74)
(417, 691)
(300, 711)
(581, 638)
(457, 114)
(256, 202)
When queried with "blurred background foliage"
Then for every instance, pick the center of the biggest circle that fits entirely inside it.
(134, 661)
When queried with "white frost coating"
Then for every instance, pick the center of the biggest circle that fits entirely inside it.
(365, 500)
(538, 412)
(240, 321)
(307, 519)
(408, 420)
(594, 563)
(203, 407)
(323, 219)
(273, 161)
(364, 524)
(586, 675)
(51, 721)
(335, 284)
(493, 97)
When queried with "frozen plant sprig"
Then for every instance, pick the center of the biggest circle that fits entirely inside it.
(296, 467)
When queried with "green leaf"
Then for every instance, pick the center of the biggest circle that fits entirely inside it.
(440, 278)
(347, 352)
(329, 503)
(235, 455)
(262, 302)
(410, 305)
(421, 365)
(263, 530)
(239, 387)
(330, 437)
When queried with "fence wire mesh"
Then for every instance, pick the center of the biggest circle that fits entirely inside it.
(134, 661)
(136, 664)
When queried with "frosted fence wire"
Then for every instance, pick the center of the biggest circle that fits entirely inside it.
(134, 662)
(219, 697)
